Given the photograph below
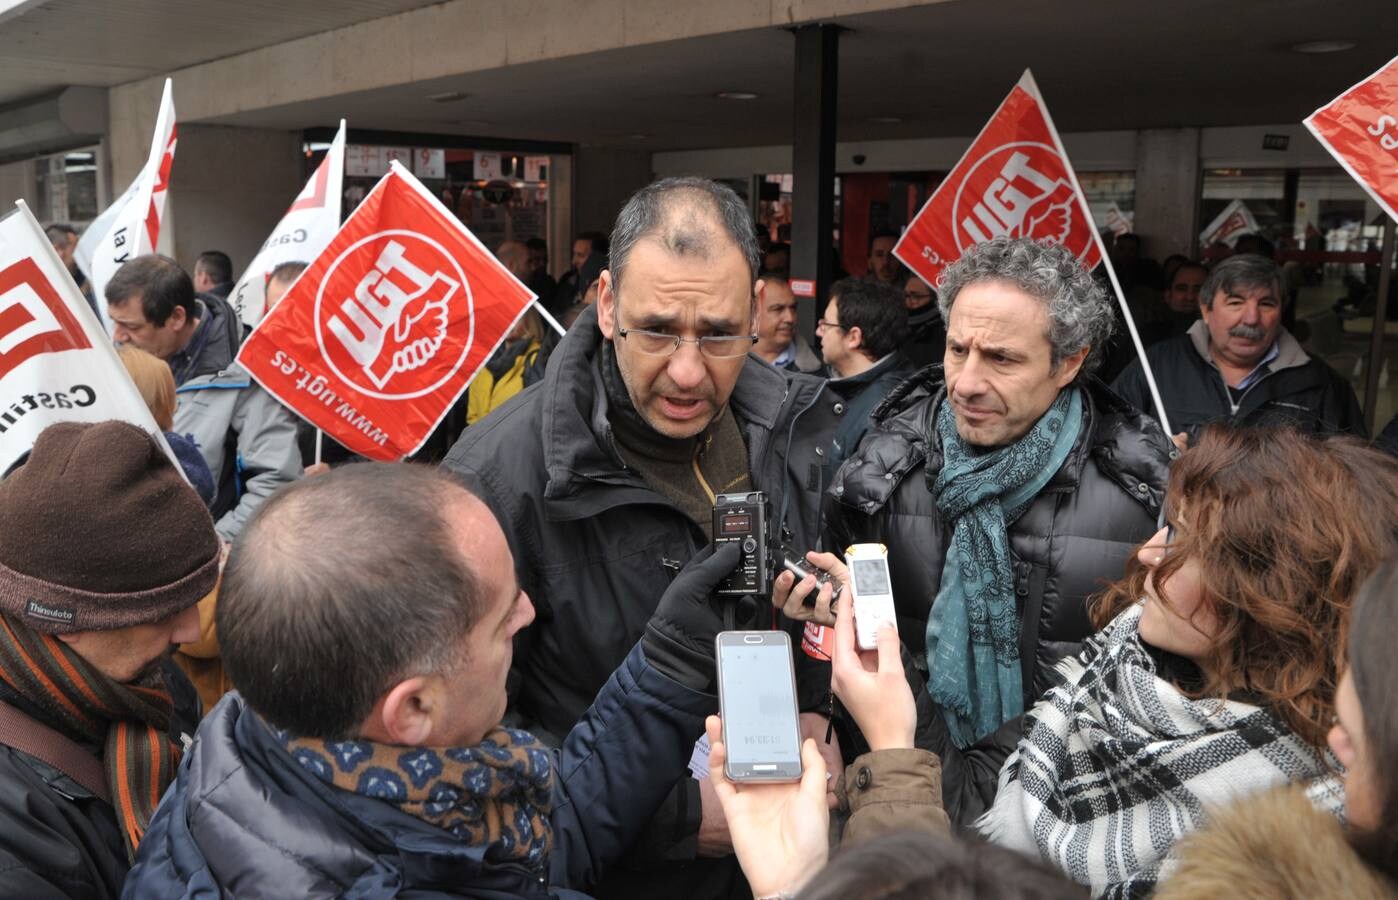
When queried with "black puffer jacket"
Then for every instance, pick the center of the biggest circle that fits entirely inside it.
(595, 547)
(1073, 540)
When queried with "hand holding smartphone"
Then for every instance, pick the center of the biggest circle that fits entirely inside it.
(757, 703)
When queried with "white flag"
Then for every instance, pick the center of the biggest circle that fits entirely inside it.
(134, 223)
(305, 230)
(57, 364)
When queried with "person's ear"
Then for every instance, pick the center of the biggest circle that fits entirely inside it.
(405, 713)
(759, 297)
(177, 318)
(606, 305)
(1070, 365)
(854, 338)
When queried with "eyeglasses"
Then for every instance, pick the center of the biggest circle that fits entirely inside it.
(821, 323)
(915, 297)
(653, 343)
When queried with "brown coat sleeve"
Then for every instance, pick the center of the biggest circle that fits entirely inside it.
(893, 790)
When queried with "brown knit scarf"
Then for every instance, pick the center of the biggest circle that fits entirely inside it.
(129, 721)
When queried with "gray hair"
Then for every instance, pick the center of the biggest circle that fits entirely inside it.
(1079, 311)
(674, 211)
(1244, 270)
(341, 586)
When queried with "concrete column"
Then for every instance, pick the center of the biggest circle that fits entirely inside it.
(1167, 190)
(813, 166)
(19, 181)
(603, 180)
(228, 189)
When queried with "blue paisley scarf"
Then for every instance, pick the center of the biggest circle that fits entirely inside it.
(497, 794)
(973, 632)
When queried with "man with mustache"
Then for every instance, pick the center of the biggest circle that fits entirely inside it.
(1240, 364)
(603, 477)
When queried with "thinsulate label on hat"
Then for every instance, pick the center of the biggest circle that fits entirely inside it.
(46, 613)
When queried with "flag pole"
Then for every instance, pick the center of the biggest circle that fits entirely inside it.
(548, 317)
(1106, 260)
(320, 441)
(1371, 377)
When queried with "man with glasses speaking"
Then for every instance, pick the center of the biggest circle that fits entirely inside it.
(603, 477)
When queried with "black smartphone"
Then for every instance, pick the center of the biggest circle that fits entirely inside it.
(757, 703)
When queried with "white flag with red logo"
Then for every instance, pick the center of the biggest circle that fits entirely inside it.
(1232, 223)
(309, 224)
(1360, 129)
(134, 224)
(56, 362)
(380, 336)
(1014, 180)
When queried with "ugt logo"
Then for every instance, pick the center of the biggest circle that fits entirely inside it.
(1019, 189)
(33, 317)
(393, 315)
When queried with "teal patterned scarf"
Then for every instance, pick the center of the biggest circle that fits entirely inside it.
(973, 633)
(497, 794)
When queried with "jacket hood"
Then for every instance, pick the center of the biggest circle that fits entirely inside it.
(1128, 446)
(252, 820)
(1275, 844)
(215, 343)
(578, 449)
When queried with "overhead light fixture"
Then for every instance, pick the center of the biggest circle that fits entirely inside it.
(448, 96)
(736, 95)
(884, 120)
(1334, 46)
(638, 137)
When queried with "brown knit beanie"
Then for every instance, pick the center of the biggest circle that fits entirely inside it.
(98, 531)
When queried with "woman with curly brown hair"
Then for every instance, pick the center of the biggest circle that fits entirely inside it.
(1213, 676)
(1277, 844)
(1215, 671)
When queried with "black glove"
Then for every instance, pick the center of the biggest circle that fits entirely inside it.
(679, 638)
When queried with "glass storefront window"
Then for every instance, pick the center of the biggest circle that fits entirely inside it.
(499, 195)
(67, 187)
(1111, 197)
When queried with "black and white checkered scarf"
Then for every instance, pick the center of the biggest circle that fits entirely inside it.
(1115, 765)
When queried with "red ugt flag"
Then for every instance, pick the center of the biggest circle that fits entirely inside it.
(382, 333)
(1014, 180)
(1360, 129)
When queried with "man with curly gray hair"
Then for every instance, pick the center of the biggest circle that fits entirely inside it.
(1007, 487)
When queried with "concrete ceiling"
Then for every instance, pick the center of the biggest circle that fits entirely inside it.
(940, 69)
(50, 44)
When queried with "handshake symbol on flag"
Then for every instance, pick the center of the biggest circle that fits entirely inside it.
(397, 319)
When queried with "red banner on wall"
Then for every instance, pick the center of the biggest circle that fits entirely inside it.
(1360, 129)
(380, 336)
(1014, 180)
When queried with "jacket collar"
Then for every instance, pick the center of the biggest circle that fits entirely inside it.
(1290, 355)
(215, 342)
(888, 363)
(1129, 447)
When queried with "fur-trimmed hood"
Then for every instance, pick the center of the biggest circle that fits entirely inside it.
(1273, 845)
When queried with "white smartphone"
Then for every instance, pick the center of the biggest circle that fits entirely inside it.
(873, 592)
(757, 703)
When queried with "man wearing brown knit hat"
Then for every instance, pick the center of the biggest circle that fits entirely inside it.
(104, 552)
